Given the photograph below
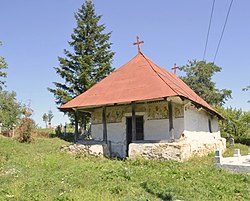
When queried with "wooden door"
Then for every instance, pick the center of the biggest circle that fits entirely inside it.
(139, 129)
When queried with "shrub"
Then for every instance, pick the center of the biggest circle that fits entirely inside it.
(25, 129)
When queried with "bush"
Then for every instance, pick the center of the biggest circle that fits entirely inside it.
(40, 133)
(243, 140)
(25, 129)
(236, 123)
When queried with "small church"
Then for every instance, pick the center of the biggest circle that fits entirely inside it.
(143, 110)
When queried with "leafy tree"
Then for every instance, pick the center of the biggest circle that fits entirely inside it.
(45, 119)
(50, 117)
(10, 109)
(199, 78)
(91, 58)
(236, 123)
(3, 66)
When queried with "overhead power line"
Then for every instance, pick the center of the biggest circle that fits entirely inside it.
(223, 30)
(208, 31)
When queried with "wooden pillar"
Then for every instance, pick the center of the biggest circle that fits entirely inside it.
(133, 122)
(104, 125)
(170, 118)
(76, 126)
(83, 123)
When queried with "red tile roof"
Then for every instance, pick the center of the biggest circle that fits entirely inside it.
(139, 79)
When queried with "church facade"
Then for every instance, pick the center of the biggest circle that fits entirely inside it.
(190, 125)
(142, 110)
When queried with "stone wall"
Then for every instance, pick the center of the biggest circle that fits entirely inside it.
(180, 150)
(92, 148)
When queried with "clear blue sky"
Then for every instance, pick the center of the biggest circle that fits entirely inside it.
(34, 34)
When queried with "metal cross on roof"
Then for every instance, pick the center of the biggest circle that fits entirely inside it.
(174, 68)
(138, 43)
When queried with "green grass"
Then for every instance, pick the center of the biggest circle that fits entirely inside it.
(40, 171)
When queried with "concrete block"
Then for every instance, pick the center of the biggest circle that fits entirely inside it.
(218, 157)
(237, 153)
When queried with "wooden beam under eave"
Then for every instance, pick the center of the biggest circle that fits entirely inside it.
(104, 124)
(170, 118)
(133, 122)
(76, 126)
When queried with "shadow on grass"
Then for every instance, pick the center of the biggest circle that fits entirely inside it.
(243, 140)
(69, 137)
(166, 196)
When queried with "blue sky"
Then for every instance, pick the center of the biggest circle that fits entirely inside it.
(34, 34)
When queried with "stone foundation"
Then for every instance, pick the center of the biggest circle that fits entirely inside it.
(180, 150)
(92, 148)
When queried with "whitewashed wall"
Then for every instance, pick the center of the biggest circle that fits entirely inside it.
(197, 120)
(117, 136)
(178, 127)
(196, 127)
(156, 126)
(97, 131)
(156, 129)
(191, 122)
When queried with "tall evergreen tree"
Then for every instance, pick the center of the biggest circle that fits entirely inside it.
(199, 78)
(3, 74)
(90, 59)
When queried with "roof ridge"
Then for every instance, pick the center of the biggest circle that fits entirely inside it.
(193, 94)
(175, 77)
(156, 72)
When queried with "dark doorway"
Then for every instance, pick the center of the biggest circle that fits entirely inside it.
(139, 129)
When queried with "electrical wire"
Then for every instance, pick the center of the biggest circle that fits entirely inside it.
(223, 30)
(208, 31)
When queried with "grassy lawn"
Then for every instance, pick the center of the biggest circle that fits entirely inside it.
(40, 171)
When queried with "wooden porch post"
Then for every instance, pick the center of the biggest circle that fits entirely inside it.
(133, 122)
(104, 124)
(170, 117)
(76, 126)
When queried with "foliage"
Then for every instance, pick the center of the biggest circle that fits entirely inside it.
(25, 129)
(236, 123)
(90, 60)
(199, 78)
(40, 171)
(50, 117)
(230, 150)
(247, 89)
(3, 74)
(10, 109)
(27, 126)
(43, 132)
(45, 119)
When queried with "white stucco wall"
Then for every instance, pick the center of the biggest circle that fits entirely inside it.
(156, 129)
(178, 127)
(97, 131)
(194, 125)
(197, 120)
(117, 136)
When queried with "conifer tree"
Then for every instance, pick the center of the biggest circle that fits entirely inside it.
(90, 59)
